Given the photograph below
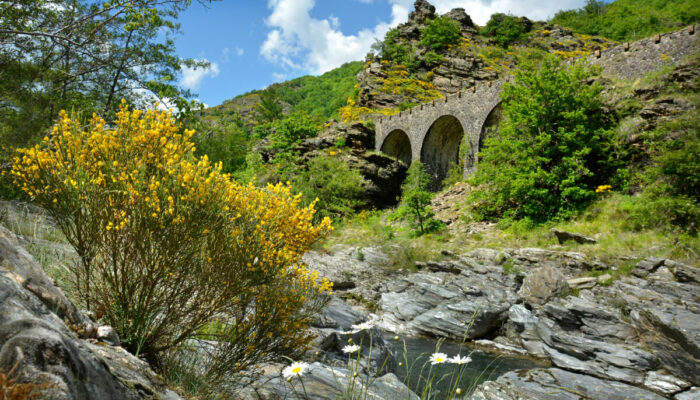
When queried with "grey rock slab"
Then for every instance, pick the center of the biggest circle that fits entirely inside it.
(692, 394)
(337, 314)
(564, 236)
(647, 266)
(323, 382)
(557, 384)
(585, 282)
(665, 383)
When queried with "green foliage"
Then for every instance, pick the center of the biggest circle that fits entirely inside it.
(292, 129)
(85, 55)
(439, 33)
(339, 188)
(552, 151)
(393, 48)
(671, 195)
(269, 108)
(629, 19)
(415, 200)
(320, 96)
(505, 29)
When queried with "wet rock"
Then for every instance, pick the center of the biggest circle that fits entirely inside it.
(542, 284)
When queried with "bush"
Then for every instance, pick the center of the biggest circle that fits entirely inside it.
(505, 29)
(415, 200)
(553, 150)
(394, 49)
(439, 33)
(671, 195)
(168, 244)
(338, 188)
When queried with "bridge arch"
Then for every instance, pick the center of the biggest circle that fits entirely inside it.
(441, 147)
(397, 144)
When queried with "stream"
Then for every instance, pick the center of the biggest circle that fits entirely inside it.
(484, 365)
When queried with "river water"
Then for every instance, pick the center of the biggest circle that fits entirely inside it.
(484, 365)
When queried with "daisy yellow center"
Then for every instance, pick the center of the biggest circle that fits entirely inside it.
(439, 359)
(296, 370)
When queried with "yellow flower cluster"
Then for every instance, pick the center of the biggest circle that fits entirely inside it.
(603, 188)
(137, 190)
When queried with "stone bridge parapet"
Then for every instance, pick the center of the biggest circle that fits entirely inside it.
(433, 132)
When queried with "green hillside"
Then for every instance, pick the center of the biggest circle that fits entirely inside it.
(629, 19)
(320, 96)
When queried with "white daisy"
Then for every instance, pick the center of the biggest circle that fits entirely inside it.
(460, 360)
(297, 368)
(351, 348)
(361, 327)
(438, 358)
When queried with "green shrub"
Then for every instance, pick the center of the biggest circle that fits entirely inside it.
(505, 29)
(553, 150)
(671, 195)
(415, 200)
(338, 188)
(168, 244)
(393, 48)
(439, 33)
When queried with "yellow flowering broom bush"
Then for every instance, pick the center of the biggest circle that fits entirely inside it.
(170, 246)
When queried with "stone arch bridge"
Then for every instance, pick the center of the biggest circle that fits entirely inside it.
(434, 132)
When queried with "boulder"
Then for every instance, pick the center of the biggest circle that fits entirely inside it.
(542, 284)
(564, 236)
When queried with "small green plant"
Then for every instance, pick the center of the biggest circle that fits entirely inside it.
(340, 143)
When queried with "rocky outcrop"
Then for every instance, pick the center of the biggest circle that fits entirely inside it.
(39, 330)
(624, 338)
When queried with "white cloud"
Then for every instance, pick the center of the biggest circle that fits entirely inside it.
(298, 41)
(239, 51)
(192, 77)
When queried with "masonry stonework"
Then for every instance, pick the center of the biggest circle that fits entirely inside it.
(433, 132)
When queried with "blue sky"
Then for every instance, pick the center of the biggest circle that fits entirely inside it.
(254, 43)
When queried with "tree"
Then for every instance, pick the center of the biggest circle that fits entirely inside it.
(84, 55)
(554, 148)
(269, 108)
(415, 199)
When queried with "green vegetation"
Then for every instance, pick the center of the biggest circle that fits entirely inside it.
(439, 33)
(320, 96)
(415, 200)
(338, 188)
(85, 55)
(394, 48)
(171, 250)
(553, 150)
(629, 19)
(504, 29)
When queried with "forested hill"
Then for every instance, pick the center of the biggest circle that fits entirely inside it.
(320, 96)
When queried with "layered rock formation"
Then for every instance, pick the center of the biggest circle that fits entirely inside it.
(53, 347)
